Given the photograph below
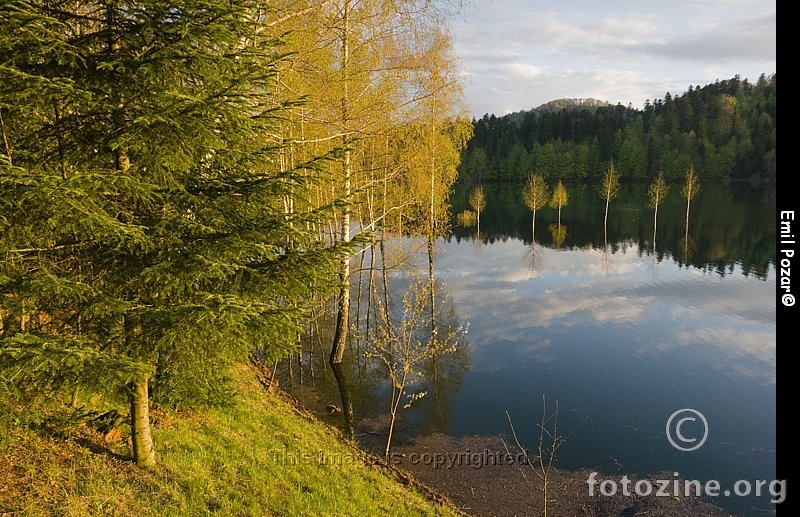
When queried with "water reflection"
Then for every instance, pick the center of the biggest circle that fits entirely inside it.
(558, 233)
(621, 330)
(624, 335)
(729, 226)
(443, 377)
(726, 316)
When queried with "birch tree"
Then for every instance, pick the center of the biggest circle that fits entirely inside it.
(380, 84)
(609, 187)
(656, 194)
(560, 198)
(690, 189)
(477, 200)
(535, 194)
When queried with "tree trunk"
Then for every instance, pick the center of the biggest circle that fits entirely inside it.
(432, 234)
(688, 202)
(143, 452)
(397, 394)
(431, 286)
(392, 419)
(686, 234)
(343, 313)
(655, 226)
(340, 373)
(336, 359)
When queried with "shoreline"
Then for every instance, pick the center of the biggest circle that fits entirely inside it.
(488, 476)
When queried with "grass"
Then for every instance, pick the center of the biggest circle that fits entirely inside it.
(260, 457)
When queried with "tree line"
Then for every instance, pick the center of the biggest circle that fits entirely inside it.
(726, 130)
(730, 227)
(536, 194)
(184, 185)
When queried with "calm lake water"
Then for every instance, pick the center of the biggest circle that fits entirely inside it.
(619, 335)
(619, 331)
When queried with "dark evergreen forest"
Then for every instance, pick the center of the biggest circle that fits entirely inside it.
(725, 130)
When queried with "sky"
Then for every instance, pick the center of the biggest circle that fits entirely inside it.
(519, 54)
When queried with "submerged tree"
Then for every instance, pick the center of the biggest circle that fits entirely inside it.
(656, 194)
(477, 200)
(691, 187)
(146, 246)
(382, 88)
(609, 186)
(402, 344)
(535, 194)
(560, 198)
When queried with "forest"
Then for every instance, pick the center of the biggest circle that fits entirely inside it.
(725, 130)
(183, 185)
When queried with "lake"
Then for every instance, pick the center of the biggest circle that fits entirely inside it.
(618, 330)
(621, 336)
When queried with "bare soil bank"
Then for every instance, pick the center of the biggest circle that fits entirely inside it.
(488, 476)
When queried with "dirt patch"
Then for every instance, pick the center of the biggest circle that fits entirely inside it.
(487, 476)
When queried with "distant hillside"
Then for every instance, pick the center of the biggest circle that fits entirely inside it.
(589, 104)
(726, 131)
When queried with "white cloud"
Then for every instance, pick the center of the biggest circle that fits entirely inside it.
(519, 57)
(751, 353)
(522, 70)
(723, 322)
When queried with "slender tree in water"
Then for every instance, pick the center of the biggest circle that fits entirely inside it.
(560, 198)
(535, 194)
(401, 344)
(609, 187)
(656, 194)
(691, 187)
(477, 200)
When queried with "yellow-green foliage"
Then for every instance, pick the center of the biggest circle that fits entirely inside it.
(467, 218)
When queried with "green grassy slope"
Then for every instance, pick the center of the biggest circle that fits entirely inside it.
(260, 457)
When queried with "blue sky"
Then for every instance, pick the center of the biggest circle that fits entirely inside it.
(518, 54)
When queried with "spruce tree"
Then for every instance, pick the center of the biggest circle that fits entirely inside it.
(146, 246)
